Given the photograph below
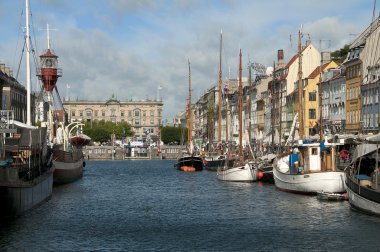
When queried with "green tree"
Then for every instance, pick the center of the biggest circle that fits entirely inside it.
(173, 134)
(341, 54)
(101, 131)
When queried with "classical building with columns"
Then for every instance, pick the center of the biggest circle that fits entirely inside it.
(141, 115)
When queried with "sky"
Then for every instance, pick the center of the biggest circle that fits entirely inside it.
(139, 49)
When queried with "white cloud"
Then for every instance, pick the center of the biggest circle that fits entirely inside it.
(129, 48)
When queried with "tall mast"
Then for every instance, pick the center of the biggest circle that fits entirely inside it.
(220, 92)
(28, 76)
(272, 103)
(320, 90)
(249, 103)
(300, 86)
(240, 107)
(189, 126)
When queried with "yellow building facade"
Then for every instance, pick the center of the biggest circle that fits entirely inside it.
(311, 99)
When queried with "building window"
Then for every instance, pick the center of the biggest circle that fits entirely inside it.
(137, 113)
(129, 113)
(72, 112)
(103, 113)
(96, 113)
(312, 114)
(144, 113)
(80, 112)
(151, 121)
(152, 113)
(88, 112)
(122, 113)
(137, 122)
(313, 96)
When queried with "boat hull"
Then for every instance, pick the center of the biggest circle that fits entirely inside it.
(244, 173)
(184, 163)
(310, 183)
(68, 166)
(212, 164)
(362, 198)
(20, 197)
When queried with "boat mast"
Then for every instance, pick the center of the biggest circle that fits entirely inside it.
(189, 110)
(240, 108)
(249, 103)
(320, 96)
(220, 92)
(28, 75)
(272, 103)
(300, 86)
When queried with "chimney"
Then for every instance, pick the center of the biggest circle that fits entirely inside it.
(2, 68)
(280, 58)
(6, 71)
(326, 57)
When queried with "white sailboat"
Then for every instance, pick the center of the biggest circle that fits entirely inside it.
(240, 171)
(308, 169)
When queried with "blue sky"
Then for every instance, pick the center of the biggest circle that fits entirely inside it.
(130, 47)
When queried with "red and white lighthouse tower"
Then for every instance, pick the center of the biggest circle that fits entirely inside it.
(49, 71)
(49, 74)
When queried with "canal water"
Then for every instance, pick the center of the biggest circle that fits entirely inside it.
(149, 205)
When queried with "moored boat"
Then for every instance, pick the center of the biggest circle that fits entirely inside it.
(79, 140)
(310, 167)
(362, 177)
(68, 165)
(68, 160)
(189, 161)
(241, 170)
(26, 173)
(211, 163)
(309, 178)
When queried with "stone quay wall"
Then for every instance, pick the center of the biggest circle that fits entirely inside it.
(105, 152)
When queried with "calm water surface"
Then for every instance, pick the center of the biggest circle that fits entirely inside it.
(148, 205)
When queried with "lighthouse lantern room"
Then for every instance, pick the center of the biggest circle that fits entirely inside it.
(49, 71)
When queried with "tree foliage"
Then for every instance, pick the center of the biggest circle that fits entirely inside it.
(173, 134)
(101, 131)
(340, 55)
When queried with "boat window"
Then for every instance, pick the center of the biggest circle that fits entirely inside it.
(314, 151)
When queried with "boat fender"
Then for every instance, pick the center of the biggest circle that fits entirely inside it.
(84, 164)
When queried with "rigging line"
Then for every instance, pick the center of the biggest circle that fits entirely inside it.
(32, 21)
(19, 64)
(59, 98)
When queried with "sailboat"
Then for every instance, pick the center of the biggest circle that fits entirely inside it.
(68, 160)
(302, 170)
(239, 170)
(213, 162)
(26, 173)
(189, 161)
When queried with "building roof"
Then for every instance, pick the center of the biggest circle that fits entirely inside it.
(318, 70)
